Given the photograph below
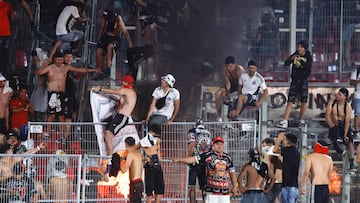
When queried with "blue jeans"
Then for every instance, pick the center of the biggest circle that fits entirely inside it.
(356, 103)
(253, 198)
(289, 194)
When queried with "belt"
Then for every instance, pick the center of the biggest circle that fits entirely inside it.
(254, 191)
(136, 180)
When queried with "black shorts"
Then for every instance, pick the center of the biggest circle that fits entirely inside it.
(56, 103)
(70, 105)
(154, 180)
(298, 88)
(337, 132)
(136, 190)
(321, 193)
(197, 172)
(3, 129)
(116, 122)
(105, 40)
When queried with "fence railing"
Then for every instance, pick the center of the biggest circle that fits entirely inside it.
(81, 139)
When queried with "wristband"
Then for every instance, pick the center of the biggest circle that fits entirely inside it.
(38, 148)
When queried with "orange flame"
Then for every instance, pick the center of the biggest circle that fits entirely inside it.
(335, 183)
(116, 186)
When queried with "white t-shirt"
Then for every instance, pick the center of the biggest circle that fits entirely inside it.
(251, 85)
(66, 20)
(168, 109)
(357, 88)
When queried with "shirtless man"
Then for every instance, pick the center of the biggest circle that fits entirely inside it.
(338, 117)
(56, 74)
(231, 72)
(256, 173)
(5, 95)
(122, 113)
(319, 165)
(134, 165)
(154, 179)
(7, 162)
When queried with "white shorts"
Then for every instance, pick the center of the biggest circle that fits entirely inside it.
(210, 198)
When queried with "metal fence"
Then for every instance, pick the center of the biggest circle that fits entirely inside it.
(81, 139)
(54, 176)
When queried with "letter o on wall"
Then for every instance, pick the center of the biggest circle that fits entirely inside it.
(277, 100)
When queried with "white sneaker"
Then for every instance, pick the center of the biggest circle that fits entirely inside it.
(283, 124)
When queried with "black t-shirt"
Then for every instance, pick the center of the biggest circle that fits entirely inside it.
(291, 162)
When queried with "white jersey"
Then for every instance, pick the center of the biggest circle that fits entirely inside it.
(168, 109)
(356, 76)
(250, 85)
(66, 20)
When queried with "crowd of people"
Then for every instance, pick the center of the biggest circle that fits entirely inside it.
(262, 179)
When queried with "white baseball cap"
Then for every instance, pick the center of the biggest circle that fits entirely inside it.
(169, 79)
(2, 78)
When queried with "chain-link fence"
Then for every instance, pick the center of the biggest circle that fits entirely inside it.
(81, 139)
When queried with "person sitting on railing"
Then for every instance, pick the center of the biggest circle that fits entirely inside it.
(165, 102)
(338, 117)
(250, 84)
(231, 72)
(108, 41)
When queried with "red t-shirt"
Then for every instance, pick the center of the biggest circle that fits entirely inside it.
(6, 12)
(19, 118)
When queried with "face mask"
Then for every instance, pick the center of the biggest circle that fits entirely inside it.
(265, 150)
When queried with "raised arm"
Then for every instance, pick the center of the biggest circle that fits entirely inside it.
(80, 70)
(279, 139)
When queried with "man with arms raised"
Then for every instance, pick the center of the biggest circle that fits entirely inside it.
(319, 165)
(56, 74)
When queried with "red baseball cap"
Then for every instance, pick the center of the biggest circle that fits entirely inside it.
(218, 139)
(128, 79)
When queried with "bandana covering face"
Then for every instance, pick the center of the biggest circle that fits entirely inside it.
(318, 148)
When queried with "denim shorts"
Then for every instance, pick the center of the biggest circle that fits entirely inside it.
(289, 194)
(356, 104)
